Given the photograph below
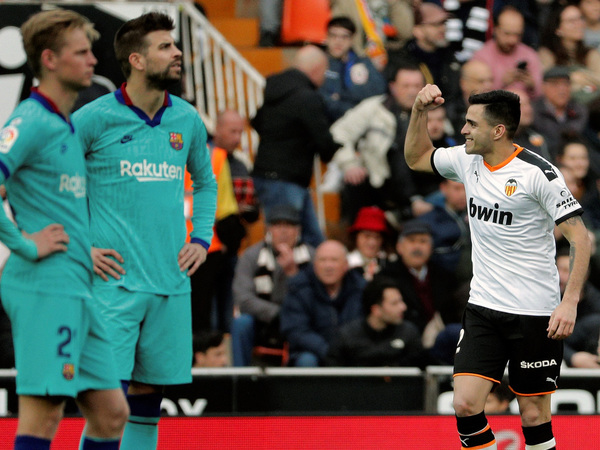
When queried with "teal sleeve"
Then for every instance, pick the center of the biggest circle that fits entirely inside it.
(14, 152)
(205, 187)
(14, 240)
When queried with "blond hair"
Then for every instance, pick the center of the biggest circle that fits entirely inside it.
(46, 30)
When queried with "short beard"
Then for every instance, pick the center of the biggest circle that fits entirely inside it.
(161, 80)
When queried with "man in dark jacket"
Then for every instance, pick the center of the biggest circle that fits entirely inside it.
(318, 300)
(427, 289)
(293, 127)
(382, 338)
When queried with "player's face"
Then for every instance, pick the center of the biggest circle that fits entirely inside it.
(477, 132)
(163, 60)
(369, 243)
(339, 42)
(392, 307)
(75, 62)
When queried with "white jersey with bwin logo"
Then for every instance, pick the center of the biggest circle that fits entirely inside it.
(512, 211)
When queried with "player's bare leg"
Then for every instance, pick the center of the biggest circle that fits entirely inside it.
(470, 394)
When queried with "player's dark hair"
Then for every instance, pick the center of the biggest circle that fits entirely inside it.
(130, 38)
(207, 339)
(373, 292)
(500, 107)
(342, 22)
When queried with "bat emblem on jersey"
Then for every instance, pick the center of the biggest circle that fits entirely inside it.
(176, 140)
(510, 187)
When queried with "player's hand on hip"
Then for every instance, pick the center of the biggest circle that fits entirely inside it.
(50, 239)
(105, 264)
(191, 256)
(562, 320)
(428, 98)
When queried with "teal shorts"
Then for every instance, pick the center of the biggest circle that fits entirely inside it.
(151, 334)
(61, 345)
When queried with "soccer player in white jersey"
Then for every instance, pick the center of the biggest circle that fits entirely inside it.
(515, 314)
(138, 142)
(61, 347)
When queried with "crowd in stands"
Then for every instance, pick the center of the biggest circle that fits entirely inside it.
(392, 290)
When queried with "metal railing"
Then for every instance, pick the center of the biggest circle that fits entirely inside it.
(218, 75)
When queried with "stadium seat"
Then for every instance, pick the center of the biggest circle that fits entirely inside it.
(283, 353)
(304, 21)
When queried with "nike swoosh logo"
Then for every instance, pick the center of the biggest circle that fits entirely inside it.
(126, 139)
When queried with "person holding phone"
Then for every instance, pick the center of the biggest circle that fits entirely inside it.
(514, 64)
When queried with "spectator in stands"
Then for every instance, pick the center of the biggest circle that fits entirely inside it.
(270, 12)
(210, 349)
(514, 65)
(436, 128)
(293, 127)
(227, 137)
(260, 283)
(573, 157)
(450, 231)
(427, 289)
(228, 233)
(590, 10)
(429, 50)
(349, 78)
(380, 26)
(525, 135)
(562, 45)
(589, 303)
(498, 400)
(372, 157)
(555, 112)
(469, 27)
(581, 348)
(368, 233)
(382, 337)
(319, 299)
(476, 77)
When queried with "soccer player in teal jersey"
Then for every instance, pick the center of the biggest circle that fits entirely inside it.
(61, 347)
(137, 143)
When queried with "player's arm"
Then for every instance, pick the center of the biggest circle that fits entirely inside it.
(562, 320)
(20, 141)
(418, 146)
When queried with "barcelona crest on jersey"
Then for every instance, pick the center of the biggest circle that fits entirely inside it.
(68, 371)
(176, 140)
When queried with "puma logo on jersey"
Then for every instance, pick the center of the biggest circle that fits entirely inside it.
(147, 171)
(75, 184)
(552, 380)
(493, 215)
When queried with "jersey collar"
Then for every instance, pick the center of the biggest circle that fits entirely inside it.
(123, 98)
(47, 103)
(506, 161)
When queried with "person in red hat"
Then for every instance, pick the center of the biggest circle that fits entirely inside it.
(368, 233)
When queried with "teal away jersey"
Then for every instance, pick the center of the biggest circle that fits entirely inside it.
(135, 169)
(43, 168)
